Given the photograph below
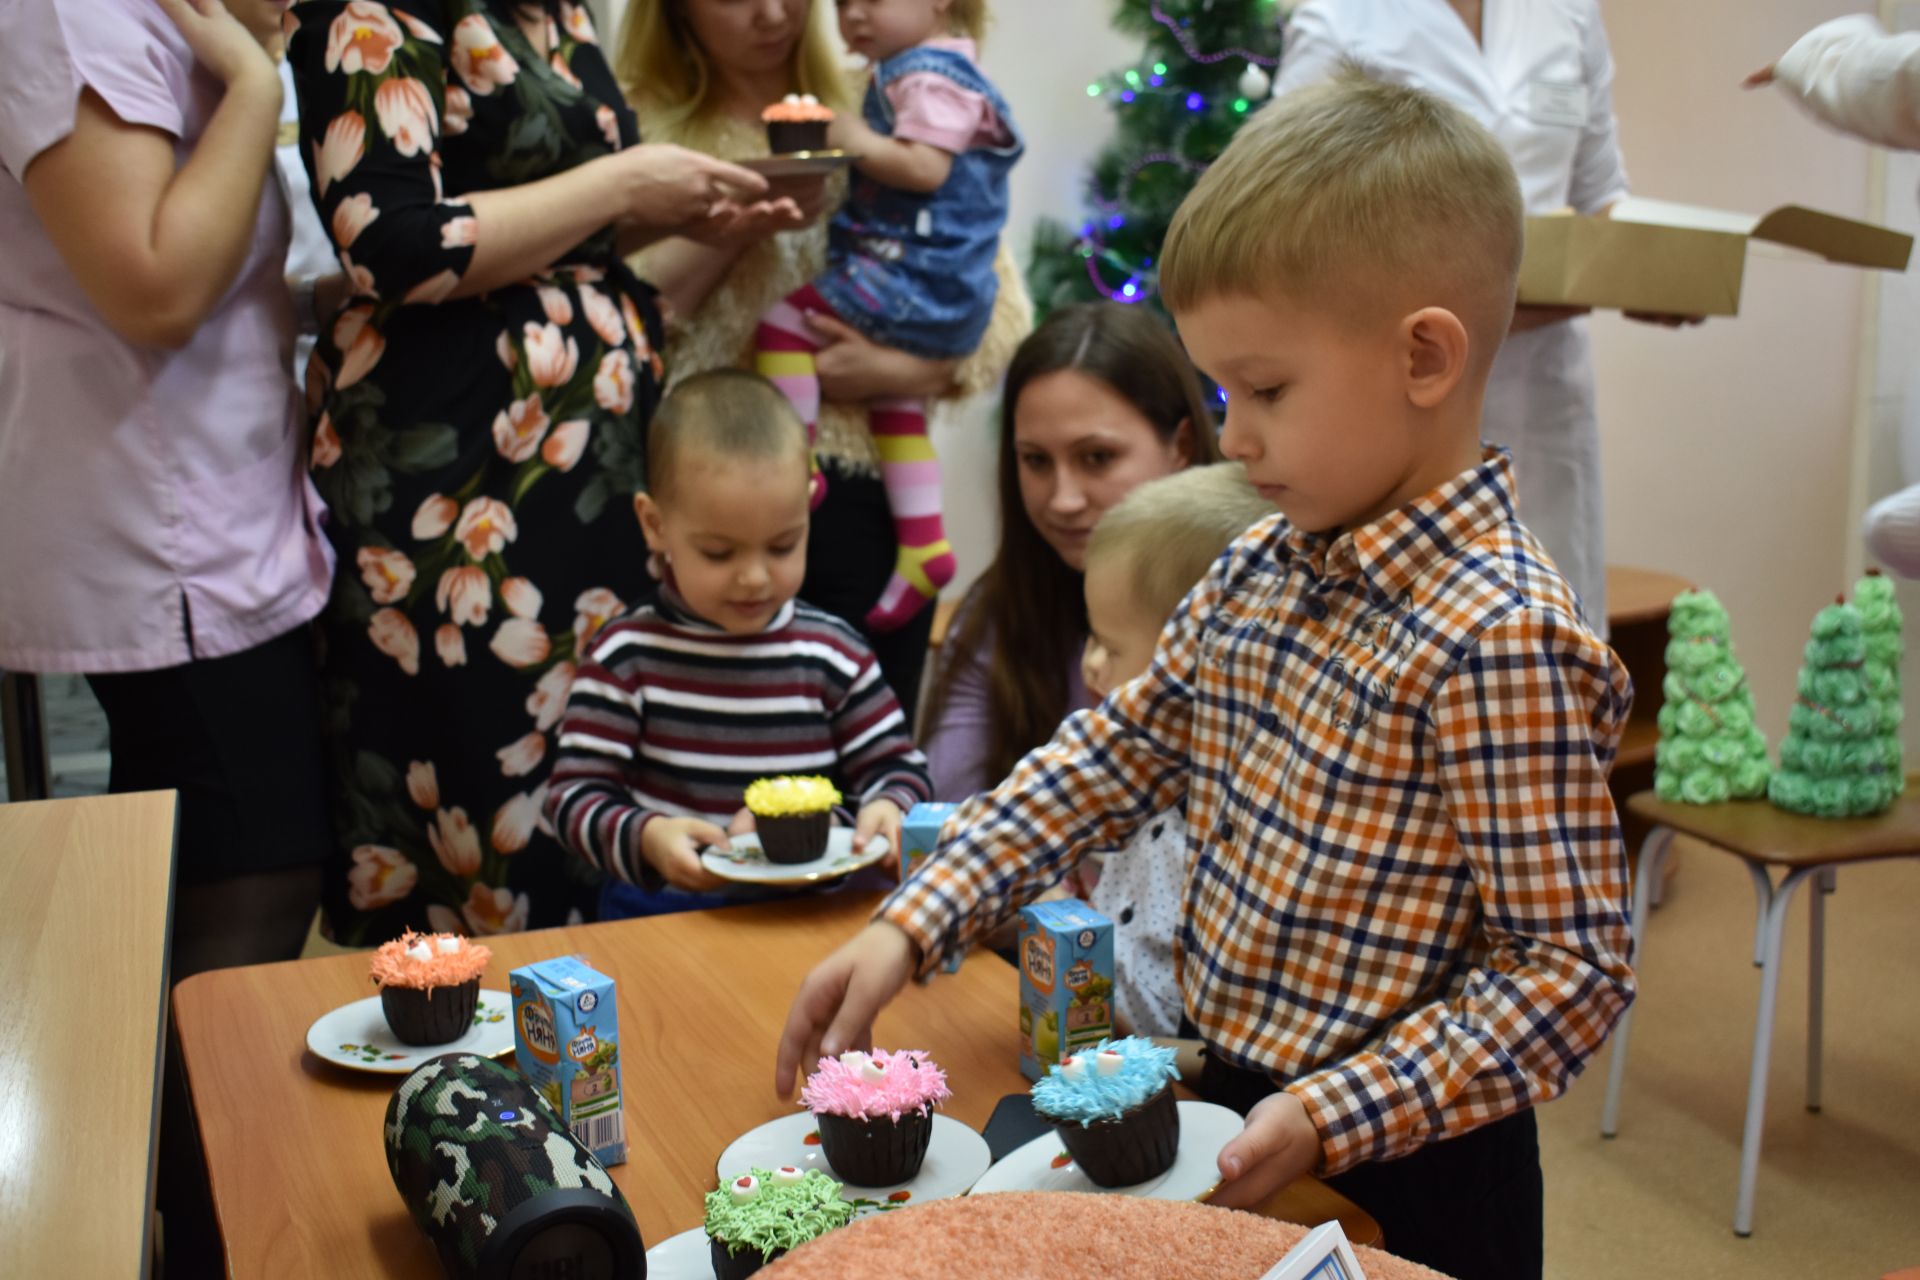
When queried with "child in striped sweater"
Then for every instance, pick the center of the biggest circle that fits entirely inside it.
(680, 704)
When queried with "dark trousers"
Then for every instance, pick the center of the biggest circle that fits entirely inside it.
(851, 551)
(1468, 1206)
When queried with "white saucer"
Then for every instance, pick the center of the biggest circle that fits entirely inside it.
(1043, 1164)
(746, 864)
(798, 164)
(956, 1157)
(682, 1257)
(356, 1035)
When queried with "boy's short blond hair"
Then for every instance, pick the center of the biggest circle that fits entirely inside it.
(729, 413)
(1356, 195)
(1169, 531)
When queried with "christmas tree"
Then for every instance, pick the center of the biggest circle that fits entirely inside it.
(1832, 763)
(1880, 624)
(1710, 749)
(1207, 65)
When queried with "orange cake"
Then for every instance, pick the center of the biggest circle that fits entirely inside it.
(1047, 1235)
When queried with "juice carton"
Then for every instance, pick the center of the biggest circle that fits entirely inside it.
(1066, 982)
(920, 834)
(566, 1040)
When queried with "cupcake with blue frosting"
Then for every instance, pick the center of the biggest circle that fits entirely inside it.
(1113, 1107)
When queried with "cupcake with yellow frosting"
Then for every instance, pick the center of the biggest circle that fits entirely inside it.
(792, 816)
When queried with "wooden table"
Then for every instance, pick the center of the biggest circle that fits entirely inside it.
(299, 1172)
(88, 892)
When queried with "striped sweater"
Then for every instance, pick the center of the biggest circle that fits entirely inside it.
(671, 715)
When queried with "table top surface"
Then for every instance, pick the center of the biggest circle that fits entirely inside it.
(702, 997)
(1759, 832)
(88, 888)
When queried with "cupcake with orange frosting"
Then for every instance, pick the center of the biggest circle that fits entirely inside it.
(798, 122)
(875, 1112)
(429, 985)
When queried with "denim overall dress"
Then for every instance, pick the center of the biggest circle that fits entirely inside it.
(914, 271)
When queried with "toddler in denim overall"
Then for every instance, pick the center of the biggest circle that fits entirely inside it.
(909, 255)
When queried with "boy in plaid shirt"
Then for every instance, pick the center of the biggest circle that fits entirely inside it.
(1406, 907)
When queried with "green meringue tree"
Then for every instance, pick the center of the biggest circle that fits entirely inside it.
(1710, 750)
(1832, 762)
(1881, 624)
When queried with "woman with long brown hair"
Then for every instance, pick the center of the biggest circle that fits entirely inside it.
(1098, 399)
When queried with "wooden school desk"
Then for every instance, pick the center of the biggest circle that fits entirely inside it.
(294, 1145)
(88, 888)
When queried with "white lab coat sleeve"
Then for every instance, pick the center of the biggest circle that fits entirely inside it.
(1853, 75)
(1311, 49)
(1599, 171)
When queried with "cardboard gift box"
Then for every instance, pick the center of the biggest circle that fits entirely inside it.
(1674, 259)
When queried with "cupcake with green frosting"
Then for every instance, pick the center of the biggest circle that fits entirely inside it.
(792, 816)
(762, 1213)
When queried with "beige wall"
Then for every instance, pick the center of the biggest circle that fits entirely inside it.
(1728, 448)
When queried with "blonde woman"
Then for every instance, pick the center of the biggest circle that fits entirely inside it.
(698, 73)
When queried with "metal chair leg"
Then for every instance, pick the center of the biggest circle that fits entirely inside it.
(1816, 978)
(1762, 899)
(1653, 852)
(1776, 917)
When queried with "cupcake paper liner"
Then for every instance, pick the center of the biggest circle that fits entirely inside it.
(736, 1266)
(785, 136)
(878, 1152)
(800, 838)
(1135, 1146)
(430, 1015)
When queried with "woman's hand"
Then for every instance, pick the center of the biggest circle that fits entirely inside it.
(735, 226)
(853, 368)
(224, 47)
(666, 187)
(807, 192)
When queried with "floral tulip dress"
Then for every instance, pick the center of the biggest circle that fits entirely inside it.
(479, 454)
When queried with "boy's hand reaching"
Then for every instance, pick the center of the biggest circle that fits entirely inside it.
(1278, 1145)
(836, 1005)
(878, 818)
(672, 847)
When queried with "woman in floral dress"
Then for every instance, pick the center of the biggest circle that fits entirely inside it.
(480, 404)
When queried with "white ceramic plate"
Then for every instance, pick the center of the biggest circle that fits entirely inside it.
(356, 1035)
(799, 164)
(745, 863)
(1044, 1165)
(956, 1157)
(682, 1257)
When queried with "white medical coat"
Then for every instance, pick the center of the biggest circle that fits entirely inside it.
(1541, 82)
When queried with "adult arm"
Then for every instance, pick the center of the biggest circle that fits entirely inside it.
(1524, 730)
(956, 742)
(155, 247)
(1856, 77)
(376, 179)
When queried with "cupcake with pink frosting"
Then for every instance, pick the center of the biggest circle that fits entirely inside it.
(875, 1113)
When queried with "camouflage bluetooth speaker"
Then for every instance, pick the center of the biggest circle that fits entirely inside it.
(499, 1185)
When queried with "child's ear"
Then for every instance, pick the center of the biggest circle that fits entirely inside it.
(1435, 346)
(650, 526)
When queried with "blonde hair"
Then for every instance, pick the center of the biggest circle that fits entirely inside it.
(1354, 194)
(968, 18)
(659, 61)
(1169, 531)
(727, 412)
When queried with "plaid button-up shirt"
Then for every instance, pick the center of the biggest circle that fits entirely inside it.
(1407, 891)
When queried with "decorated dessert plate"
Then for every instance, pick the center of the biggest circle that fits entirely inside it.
(956, 1157)
(682, 1257)
(745, 863)
(1044, 1165)
(356, 1035)
(799, 164)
